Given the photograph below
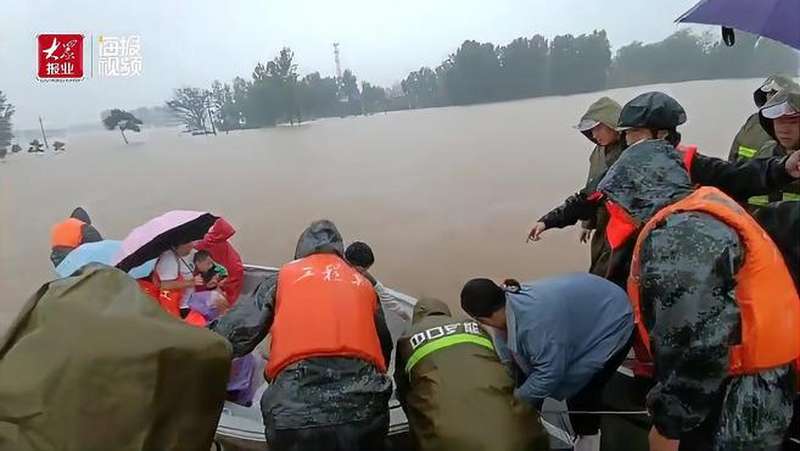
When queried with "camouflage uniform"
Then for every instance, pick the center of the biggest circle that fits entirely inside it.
(688, 268)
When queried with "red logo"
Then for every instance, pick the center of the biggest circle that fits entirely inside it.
(60, 56)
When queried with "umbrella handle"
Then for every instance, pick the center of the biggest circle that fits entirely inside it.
(728, 36)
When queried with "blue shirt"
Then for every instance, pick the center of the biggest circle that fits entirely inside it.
(561, 331)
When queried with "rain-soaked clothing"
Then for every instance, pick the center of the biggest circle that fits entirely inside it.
(217, 243)
(604, 111)
(740, 181)
(688, 271)
(454, 389)
(324, 401)
(561, 331)
(92, 364)
(64, 239)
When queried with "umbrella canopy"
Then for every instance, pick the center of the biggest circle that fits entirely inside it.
(160, 234)
(99, 252)
(774, 19)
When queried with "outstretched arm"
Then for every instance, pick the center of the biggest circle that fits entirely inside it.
(746, 178)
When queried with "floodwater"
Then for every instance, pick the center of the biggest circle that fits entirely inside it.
(442, 195)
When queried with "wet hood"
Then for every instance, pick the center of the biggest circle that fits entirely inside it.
(222, 230)
(647, 177)
(321, 237)
(81, 215)
(604, 111)
(426, 307)
(790, 95)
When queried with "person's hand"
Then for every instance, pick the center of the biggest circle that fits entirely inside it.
(793, 164)
(586, 235)
(660, 443)
(536, 231)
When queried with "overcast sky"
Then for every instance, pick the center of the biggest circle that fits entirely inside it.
(193, 42)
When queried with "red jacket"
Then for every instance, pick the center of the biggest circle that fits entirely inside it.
(216, 243)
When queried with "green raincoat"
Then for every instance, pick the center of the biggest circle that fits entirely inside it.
(454, 390)
(605, 111)
(752, 136)
(93, 364)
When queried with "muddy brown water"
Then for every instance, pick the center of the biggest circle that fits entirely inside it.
(442, 194)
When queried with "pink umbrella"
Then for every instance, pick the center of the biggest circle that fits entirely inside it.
(160, 234)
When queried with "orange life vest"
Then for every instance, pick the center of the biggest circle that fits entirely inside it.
(768, 302)
(323, 307)
(67, 233)
(169, 300)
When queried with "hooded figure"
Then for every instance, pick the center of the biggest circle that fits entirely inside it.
(715, 307)
(599, 125)
(217, 244)
(753, 136)
(91, 364)
(454, 390)
(71, 233)
(328, 353)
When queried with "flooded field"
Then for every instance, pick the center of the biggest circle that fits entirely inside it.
(442, 195)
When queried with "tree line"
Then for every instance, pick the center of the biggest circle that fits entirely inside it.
(476, 72)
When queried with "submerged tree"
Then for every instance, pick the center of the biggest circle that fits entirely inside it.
(122, 120)
(191, 106)
(6, 111)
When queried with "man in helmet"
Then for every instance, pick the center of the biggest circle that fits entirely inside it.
(752, 136)
(656, 116)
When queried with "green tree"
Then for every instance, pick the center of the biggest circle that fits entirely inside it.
(225, 111)
(373, 97)
(319, 96)
(6, 112)
(350, 91)
(422, 88)
(473, 75)
(524, 67)
(122, 120)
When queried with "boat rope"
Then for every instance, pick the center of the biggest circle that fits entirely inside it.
(598, 412)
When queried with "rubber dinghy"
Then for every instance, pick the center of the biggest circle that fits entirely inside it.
(242, 428)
